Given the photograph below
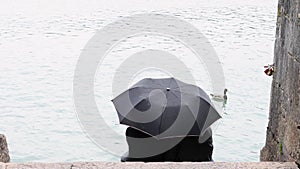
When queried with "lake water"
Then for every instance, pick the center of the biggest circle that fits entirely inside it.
(41, 41)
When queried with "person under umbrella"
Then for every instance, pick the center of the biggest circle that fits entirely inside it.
(169, 121)
(189, 148)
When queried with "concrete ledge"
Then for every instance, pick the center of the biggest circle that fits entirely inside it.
(166, 165)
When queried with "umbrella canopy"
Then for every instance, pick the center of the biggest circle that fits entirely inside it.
(166, 108)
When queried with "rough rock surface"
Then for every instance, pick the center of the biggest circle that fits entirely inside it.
(185, 165)
(283, 131)
(4, 153)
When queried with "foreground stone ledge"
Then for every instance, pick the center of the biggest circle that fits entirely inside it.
(166, 165)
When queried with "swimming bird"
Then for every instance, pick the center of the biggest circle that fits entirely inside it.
(220, 98)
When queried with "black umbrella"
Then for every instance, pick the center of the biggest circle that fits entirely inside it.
(165, 108)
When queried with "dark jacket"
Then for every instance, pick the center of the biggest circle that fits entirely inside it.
(188, 148)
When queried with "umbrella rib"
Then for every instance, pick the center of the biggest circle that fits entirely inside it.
(184, 104)
(175, 94)
(141, 99)
(186, 85)
(134, 105)
(185, 93)
(159, 128)
(142, 87)
(158, 84)
(206, 99)
(134, 87)
(170, 82)
(162, 114)
(208, 102)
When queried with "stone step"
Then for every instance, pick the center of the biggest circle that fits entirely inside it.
(139, 165)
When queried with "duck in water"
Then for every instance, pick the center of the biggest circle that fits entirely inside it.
(220, 98)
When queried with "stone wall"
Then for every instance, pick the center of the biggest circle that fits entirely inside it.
(283, 131)
(4, 153)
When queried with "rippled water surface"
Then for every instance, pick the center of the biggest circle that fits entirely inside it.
(40, 43)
